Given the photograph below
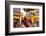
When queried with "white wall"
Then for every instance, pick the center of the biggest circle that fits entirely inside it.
(2, 17)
